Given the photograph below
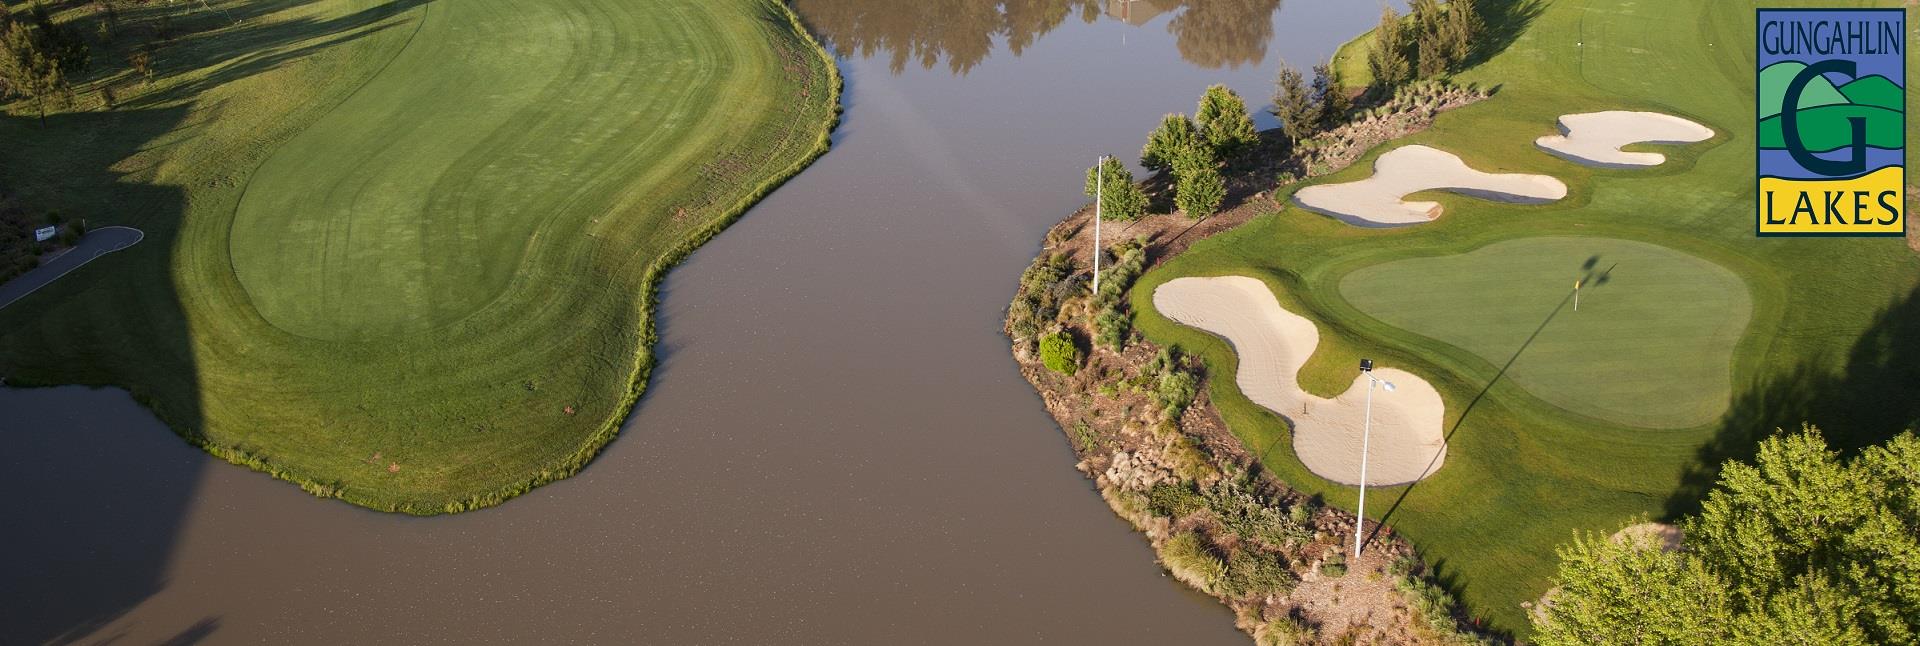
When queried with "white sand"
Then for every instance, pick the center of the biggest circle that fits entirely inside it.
(1273, 344)
(1377, 201)
(1595, 138)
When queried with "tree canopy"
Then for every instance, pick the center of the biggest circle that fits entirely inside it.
(1199, 192)
(1171, 144)
(1799, 547)
(1293, 104)
(1120, 198)
(1223, 121)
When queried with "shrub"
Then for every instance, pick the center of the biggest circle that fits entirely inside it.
(1252, 517)
(1253, 573)
(1111, 328)
(1059, 353)
(1175, 501)
(1199, 192)
(1335, 565)
(1175, 391)
(1084, 437)
(1187, 462)
(1187, 557)
(1285, 631)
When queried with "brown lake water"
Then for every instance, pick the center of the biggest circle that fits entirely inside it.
(836, 447)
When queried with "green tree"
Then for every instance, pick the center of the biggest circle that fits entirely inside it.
(1120, 198)
(37, 56)
(1460, 30)
(1293, 104)
(1431, 50)
(1176, 137)
(1388, 58)
(1223, 121)
(1798, 547)
(1331, 102)
(1199, 191)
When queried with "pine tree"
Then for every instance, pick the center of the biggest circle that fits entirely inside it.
(1388, 58)
(1169, 142)
(1120, 198)
(1462, 30)
(1431, 51)
(1223, 121)
(1330, 100)
(1293, 104)
(1199, 192)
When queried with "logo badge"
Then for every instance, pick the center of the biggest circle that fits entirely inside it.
(1832, 116)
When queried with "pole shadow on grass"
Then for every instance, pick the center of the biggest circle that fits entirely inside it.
(96, 500)
(1588, 275)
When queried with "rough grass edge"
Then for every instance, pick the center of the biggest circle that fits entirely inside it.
(595, 442)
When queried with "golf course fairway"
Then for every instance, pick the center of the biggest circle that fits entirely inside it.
(404, 253)
(1651, 343)
(1584, 432)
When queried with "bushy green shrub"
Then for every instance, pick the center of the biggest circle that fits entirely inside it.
(1286, 630)
(1111, 328)
(1251, 516)
(1187, 462)
(1175, 501)
(1187, 557)
(1175, 392)
(1059, 353)
(1199, 192)
(1255, 572)
(1043, 288)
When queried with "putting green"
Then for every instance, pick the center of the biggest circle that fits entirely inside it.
(407, 250)
(413, 203)
(1651, 344)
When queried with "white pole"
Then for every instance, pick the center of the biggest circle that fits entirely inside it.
(1099, 189)
(1366, 437)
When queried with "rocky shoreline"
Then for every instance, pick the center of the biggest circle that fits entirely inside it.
(1151, 441)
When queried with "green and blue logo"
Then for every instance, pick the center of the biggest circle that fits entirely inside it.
(1832, 122)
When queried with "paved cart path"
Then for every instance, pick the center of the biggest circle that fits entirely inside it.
(96, 243)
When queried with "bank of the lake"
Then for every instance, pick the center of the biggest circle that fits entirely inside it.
(1149, 436)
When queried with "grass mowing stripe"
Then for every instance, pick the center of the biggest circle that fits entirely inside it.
(483, 210)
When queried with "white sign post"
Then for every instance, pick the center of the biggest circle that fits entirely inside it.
(44, 234)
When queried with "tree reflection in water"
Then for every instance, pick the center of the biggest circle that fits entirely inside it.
(1209, 33)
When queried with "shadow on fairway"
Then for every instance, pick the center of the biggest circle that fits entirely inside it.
(94, 506)
(1874, 397)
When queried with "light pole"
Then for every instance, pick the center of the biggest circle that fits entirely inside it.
(1366, 437)
(1099, 188)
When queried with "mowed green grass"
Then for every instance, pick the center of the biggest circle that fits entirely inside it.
(1650, 343)
(1831, 333)
(404, 253)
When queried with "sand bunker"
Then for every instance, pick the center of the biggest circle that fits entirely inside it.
(1273, 344)
(1595, 138)
(1376, 201)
